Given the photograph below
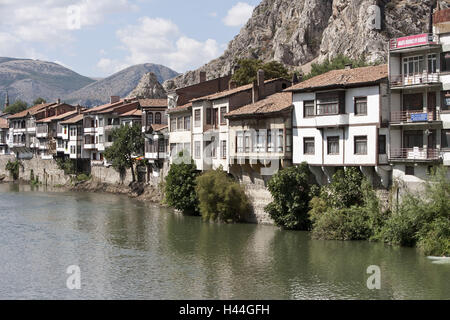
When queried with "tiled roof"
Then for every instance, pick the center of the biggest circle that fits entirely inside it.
(159, 127)
(32, 110)
(227, 93)
(153, 102)
(131, 113)
(104, 107)
(58, 117)
(73, 119)
(180, 108)
(274, 103)
(3, 123)
(343, 78)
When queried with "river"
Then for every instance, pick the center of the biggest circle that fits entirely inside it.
(127, 249)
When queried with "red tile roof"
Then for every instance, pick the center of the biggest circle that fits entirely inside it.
(32, 110)
(343, 78)
(153, 102)
(159, 127)
(3, 123)
(185, 107)
(58, 117)
(272, 104)
(132, 113)
(73, 120)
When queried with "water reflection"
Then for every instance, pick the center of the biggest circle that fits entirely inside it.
(127, 249)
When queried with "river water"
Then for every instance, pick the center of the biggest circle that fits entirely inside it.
(126, 249)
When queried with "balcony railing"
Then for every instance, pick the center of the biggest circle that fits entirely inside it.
(414, 79)
(415, 153)
(413, 116)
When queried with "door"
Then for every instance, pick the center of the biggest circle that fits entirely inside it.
(431, 105)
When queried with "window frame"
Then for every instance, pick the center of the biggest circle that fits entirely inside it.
(333, 139)
(358, 140)
(312, 140)
(305, 102)
(356, 103)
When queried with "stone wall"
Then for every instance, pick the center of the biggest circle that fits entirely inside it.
(109, 175)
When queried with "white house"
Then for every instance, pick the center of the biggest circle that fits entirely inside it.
(340, 119)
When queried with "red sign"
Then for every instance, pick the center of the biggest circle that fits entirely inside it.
(410, 41)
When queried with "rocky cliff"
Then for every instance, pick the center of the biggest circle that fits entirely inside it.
(148, 88)
(298, 32)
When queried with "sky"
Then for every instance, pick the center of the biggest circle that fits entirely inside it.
(97, 38)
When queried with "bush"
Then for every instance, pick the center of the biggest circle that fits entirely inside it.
(13, 168)
(291, 191)
(68, 165)
(220, 197)
(83, 177)
(345, 189)
(180, 187)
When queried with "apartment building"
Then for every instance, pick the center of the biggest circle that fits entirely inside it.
(210, 126)
(24, 130)
(260, 138)
(419, 79)
(4, 136)
(341, 119)
(154, 128)
(72, 138)
(98, 123)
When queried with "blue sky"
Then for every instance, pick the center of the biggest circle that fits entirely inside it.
(99, 37)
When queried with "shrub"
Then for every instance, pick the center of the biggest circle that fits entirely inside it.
(180, 186)
(68, 165)
(13, 168)
(344, 190)
(83, 177)
(291, 192)
(220, 197)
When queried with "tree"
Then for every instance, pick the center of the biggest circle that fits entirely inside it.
(16, 107)
(39, 101)
(180, 186)
(220, 197)
(127, 143)
(291, 191)
(248, 70)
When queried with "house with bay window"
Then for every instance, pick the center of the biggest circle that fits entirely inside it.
(72, 136)
(4, 136)
(340, 119)
(419, 80)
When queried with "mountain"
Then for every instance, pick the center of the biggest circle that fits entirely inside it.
(28, 79)
(300, 32)
(148, 88)
(120, 84)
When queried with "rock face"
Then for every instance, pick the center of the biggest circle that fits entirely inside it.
(301, 31)
(148, 88)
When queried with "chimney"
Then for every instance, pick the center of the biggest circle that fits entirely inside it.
(430, 20)
(79, 109)
(58, 101)
(349, 66)
(261, 84)
(202, 76)
(255, 91)
(114, 99)
(295, 79)
(232, 84)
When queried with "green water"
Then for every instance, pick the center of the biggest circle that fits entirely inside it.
(129, 250)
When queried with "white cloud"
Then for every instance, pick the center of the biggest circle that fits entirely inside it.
(239, 14)
(158, 40)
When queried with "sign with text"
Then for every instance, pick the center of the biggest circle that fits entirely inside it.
(411, 41)
(416, 117)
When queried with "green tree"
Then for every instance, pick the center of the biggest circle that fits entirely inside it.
(16, 107)
(291, 191)
(345, 189)
(39, 101)
(248, 70)
(128, 142)
(180, 184)
(13, 168)
(220, 197)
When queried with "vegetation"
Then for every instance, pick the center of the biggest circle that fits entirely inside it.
(423, 221)
(13, 168)
(16, 107)
(248, 70)
(337, 63)
(34, 180)
(83, 177)
(220, 197)
(180, 185)
(128, 142)
(291, 191)
(68, 165)
(39, 101)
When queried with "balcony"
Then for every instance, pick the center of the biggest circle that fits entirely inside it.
(414, 116)
(331, 120)
(89, 146)
(111, 127)
(415, 154)
(415, 80)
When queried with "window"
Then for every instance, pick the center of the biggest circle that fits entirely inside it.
(223, 149)
(197, 149)
(100, 122)
(261, 141)
(149, 118)
(240, 142)
(247, 142)
(100, 140)
(223, 111)
(197, 119)
(361, 145)
(445, 100)
(445, 61)
(187, 123)
(187, 149)
(413, 138)
(173, 150)
(333, 145)
(208, 116)
(409, 170)
(309, 145)
(288, 140)
(445, 139)
(413, 65)
(269, 141)
(213, 146)
(308, 108)
(158, 118)
(180, 124)
(432, 62)
(173, 124)
(361, 106)
(161, 146)
(280, 140)
(382, 144)
(330, 103)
